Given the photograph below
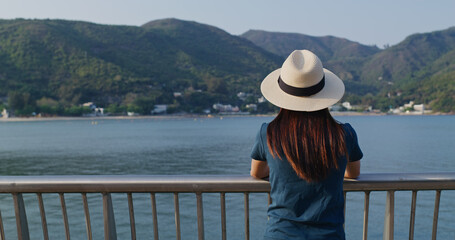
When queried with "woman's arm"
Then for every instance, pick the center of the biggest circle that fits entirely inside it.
(352, 170)
(259, 169)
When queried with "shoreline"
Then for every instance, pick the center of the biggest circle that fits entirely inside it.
(92, 118)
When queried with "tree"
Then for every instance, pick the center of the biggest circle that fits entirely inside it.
(48, 106)
(216, 85)
(115, 109)
(15, 100)
(444, 103)
(144, 104)
(133, 108)
(76, 111)
(21, 103)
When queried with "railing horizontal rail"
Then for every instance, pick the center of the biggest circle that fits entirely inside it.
(209, 183)
(131, 183)
(199, 184)
(401, 182)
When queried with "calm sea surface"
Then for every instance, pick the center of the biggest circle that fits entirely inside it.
(212, 146)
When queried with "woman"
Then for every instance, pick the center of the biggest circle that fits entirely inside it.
(304, 151)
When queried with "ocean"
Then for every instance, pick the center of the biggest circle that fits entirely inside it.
(219, 145)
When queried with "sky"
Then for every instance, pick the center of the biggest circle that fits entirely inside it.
(370, 22)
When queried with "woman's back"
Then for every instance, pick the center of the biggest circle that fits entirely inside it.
(304, 151)
(302, 209)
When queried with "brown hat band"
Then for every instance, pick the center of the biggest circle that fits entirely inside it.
(301, 92)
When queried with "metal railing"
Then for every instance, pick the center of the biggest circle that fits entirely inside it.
(199, 184)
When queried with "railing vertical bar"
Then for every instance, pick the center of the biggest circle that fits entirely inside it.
(2, 230)
(110, 232)
(155, 216)
(344, 207)
(412, 219)
(88, 225)
(21, 217)
(366, 210)
(43, 216)
(200, 216)
(389, 216)
(131, 211)
(223, 215)
(65, 216)
(436, 213)
(247, 215)
(177, 216)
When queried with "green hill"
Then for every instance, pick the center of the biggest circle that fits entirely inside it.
(76, 61)
(328, 48)
(340, 55)
(53, 66)
(420, 68)
(402, 61)
(210, 52)
(72, 62)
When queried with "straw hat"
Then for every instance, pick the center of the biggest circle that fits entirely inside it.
(302, 84)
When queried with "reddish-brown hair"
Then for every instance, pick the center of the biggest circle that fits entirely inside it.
(310, 141)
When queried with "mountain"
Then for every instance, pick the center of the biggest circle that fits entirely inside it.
(53, 66)
(77, 61)
(342, 56)
(209, 49)
(72, 62)
(413, 54)
(327, 48)
(420, 68)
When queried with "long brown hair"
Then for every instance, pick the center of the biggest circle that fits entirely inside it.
(310, 141)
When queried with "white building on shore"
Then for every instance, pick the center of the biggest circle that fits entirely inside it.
(159, 109)
(410, 108)
(5, 113)
(96, 111)
(225, 108)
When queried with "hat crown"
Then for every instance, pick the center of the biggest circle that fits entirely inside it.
(302, 69)
(302, 84)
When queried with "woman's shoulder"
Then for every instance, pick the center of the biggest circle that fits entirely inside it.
(355, 153)
(347, 127)
(349, 131)
(263, 129)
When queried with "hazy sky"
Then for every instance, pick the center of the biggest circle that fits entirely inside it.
(366, 21)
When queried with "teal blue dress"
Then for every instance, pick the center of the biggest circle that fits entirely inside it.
(303, 210)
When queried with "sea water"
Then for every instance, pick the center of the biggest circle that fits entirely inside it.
(219, 145)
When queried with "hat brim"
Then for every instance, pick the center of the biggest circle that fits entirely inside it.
(331, 93)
